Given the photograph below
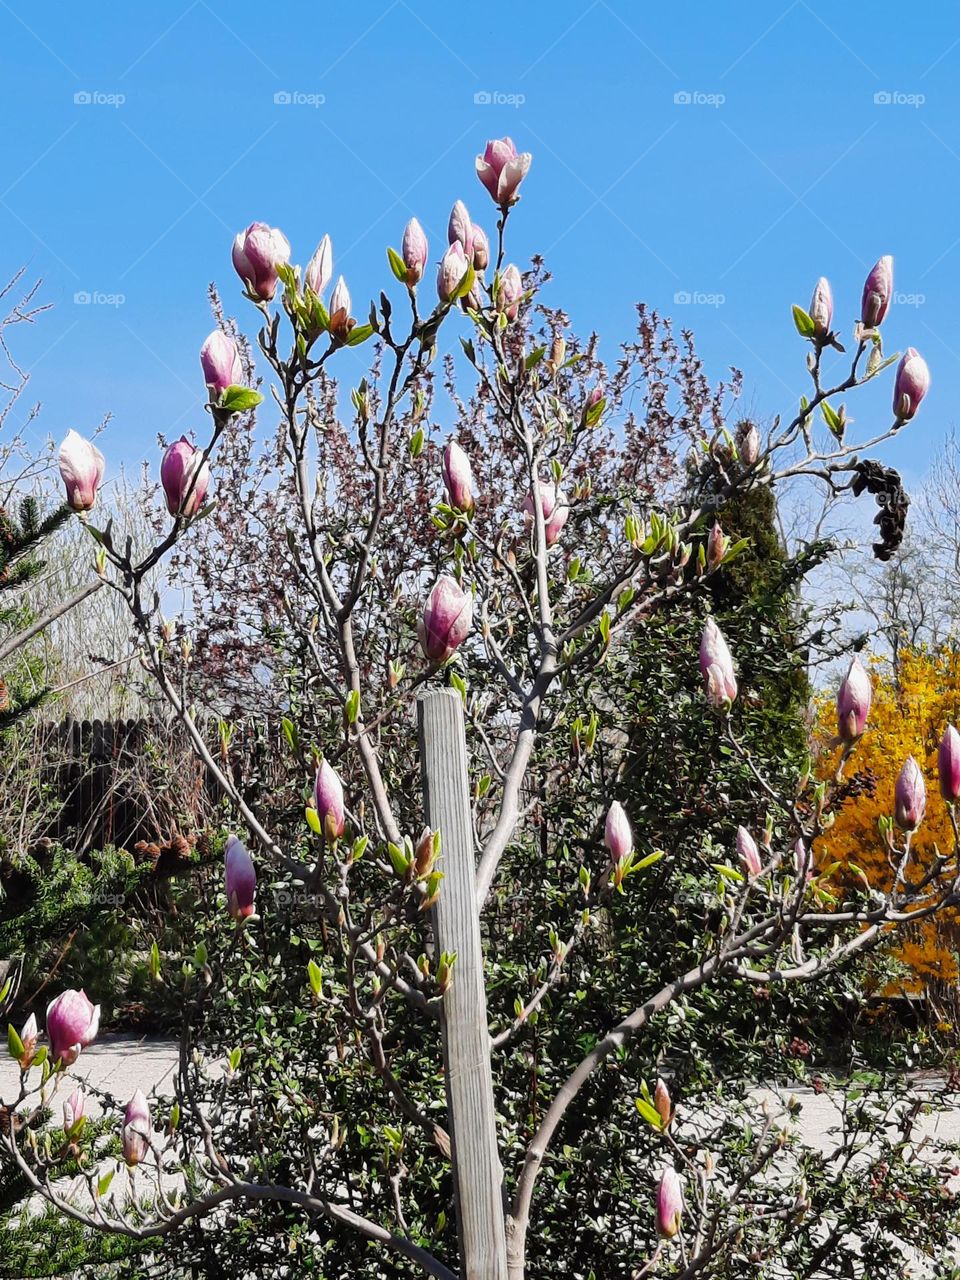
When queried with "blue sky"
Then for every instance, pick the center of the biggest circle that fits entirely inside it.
(784, 165)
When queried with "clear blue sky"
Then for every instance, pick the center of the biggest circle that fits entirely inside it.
(785, 167)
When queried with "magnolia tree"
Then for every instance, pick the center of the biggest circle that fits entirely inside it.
(346, 569)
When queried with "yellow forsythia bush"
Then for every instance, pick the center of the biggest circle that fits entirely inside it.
(909, 714)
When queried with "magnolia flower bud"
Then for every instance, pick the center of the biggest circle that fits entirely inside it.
(821, 307)
(662, 1103)
(221, 364)
(328, 798)
(256, 254)
(453, 267)
(28, 1038)
(748, 443)
(910, 796)
(457, 477)
(137, 1130)
(460, 228)
(716, 666)
(877, 292)
(509, 292)
(240, 879)
(748, 853)
(910, 385)
(341, 321)
(319, 270)
(72, 1024)
(185, 477)
(73, 1113)
(669, 1203)
(446, 620)
(802, 861)
(948, 763)
(414, 252)
(501, 170)
(617, 835)
(481, 248)
(555, 508)
(81, 469)
(853, 702)
(716, 546)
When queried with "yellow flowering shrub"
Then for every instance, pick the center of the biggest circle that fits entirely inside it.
(908, 717)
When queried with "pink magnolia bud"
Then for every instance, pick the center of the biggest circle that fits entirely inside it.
(239, 879)
(748, 853)
(910, 385)
(509, 292)
(72, 1024)
(328, 798)
(555, 508)
(28, 1038)
(617, 835)
(73, 1112)
(669, 1203)
(458, 478)
(220, 361)
(716, 546)
(341, 321)
(256, 253)
(137, 1130)
(453, 267)
(446, 620)
(185, 477)
(460, 228)
(948, 763)
(81, 469)
(716, 665)
(481, 248)
(501, 170)
(802, 861)
(821, 307)
(414, 251)
(748, 442)
(853, 702)
(319, 270)
(662, 1103)
(877, 292)
(910, 796)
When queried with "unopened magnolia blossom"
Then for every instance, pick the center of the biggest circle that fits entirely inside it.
(137, 1130)
(821, 307)
(669, 1203)
(555, 508)
(256, 254)
(414, 251)
(221, 364)
(328, 799)
(341, 321)
(458, 478)
(910, 796)
(73, 1113)
(877, 292)
(510, 292)
(748, 853)
(239, 879)
(617, 835)
(319, 270)
(910, 385)
(450, 275)
(81, 469)
(716, 665)
(853, 702)
(185, 477)
(948, 765)
(446, 620)
(460, 229)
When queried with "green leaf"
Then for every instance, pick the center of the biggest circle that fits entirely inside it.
(313, 820)
(534, 357)
(398, 859)
(397, 265)
(291, 735)
(14, 1043)
(457, 681)
(650, 1114)
(235, 1056)
(650, 859)
(315, 974)
(359, 334)
(103, 1186)
(352, 706)
(831, 417)
(238, 399)
(805, 326)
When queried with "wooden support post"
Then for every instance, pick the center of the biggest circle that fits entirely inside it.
(478, 1174)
